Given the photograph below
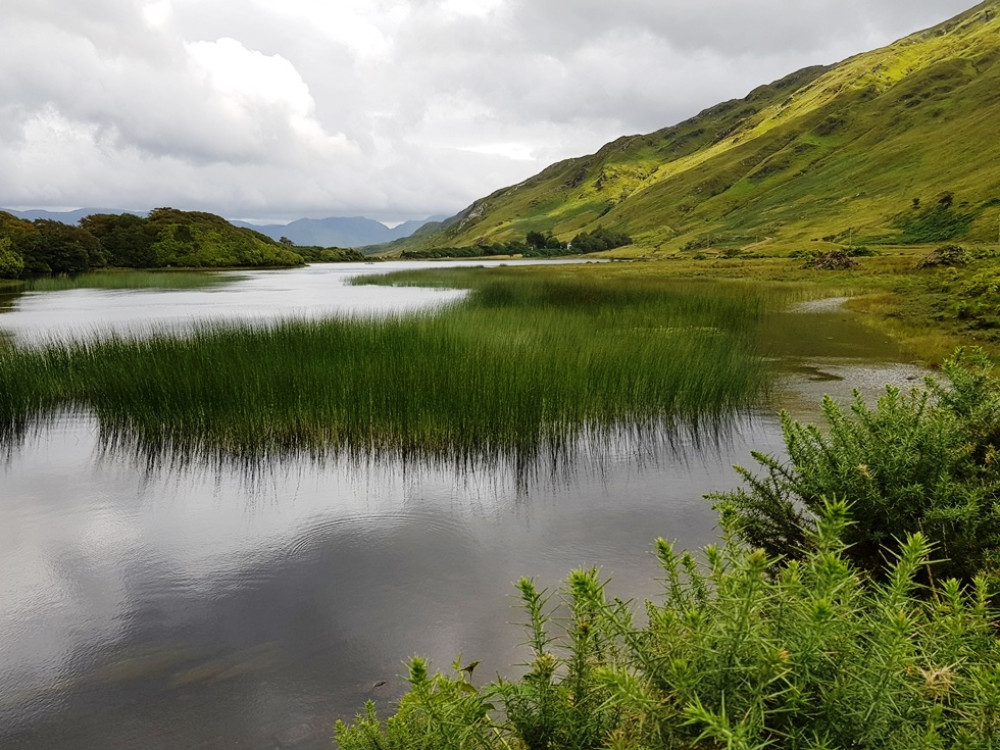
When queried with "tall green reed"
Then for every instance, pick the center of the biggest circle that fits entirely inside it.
(525, 364)
(131, 279)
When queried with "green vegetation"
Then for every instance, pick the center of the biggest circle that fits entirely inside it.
(118, 279)
(478, 251)
(852, 636)
(11, 262)
(534, 245)
(545, 357)
(753, 652)
(919, 462)
(55, 248)
(938, 223)
(166, 238)
(866, 149)
(312, 254)
(977, 300)
(599, 240)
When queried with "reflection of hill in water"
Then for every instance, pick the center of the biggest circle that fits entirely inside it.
(823, 349)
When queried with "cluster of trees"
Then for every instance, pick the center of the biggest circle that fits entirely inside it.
(534, 245)
(545, 245)
(165, 238)
(599, 240)
(472, 251)
(43, 247)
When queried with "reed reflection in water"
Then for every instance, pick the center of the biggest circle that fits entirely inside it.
(170, 606)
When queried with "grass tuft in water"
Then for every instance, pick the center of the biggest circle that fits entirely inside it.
(128, 279)
(525, 364)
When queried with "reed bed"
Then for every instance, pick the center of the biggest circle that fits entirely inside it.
(130, 279)
(527, 363)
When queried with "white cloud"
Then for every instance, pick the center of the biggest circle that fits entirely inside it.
(476, 8)
(235, 70)
(391, 108)
(157, 14)
(512, 151)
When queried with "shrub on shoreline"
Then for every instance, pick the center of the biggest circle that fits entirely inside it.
(746, 651)
(924, 461)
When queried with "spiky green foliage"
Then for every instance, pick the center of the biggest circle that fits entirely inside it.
(924, 461)
(852, 150)
(746, 652)
(439, 712)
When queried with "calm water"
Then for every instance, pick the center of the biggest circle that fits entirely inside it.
(208, 608)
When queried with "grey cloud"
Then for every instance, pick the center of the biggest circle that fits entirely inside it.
(99, 106)
(730, 26)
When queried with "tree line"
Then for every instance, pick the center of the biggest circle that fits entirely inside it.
(165, 238)
(533, 245)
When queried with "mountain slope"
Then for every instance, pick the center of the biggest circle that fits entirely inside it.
(894, 145)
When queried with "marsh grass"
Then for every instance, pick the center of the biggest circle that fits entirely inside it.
(526, 365)
(128, 279)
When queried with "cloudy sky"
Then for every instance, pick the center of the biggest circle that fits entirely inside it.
(394, 109)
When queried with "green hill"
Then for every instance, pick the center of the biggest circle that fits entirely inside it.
(167, 238)
(897, 145)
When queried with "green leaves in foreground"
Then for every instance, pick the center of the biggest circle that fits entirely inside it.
(743, 651)
(924, 461)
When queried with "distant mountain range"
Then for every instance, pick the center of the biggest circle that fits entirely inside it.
(897, 145)
(337, 231)
(69, 217)
(354, 231)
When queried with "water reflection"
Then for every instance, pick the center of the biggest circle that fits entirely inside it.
(168, 608)
(311, 292)
(550, 459)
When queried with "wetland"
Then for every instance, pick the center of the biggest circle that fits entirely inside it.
(232, 510)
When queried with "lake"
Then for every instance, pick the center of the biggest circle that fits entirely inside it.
(210, 606)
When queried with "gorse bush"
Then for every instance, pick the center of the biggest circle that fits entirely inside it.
(924, 461)
(744, 651)
(977, 300)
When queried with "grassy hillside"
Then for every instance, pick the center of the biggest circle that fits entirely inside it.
(166, 238)
(895, 145)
